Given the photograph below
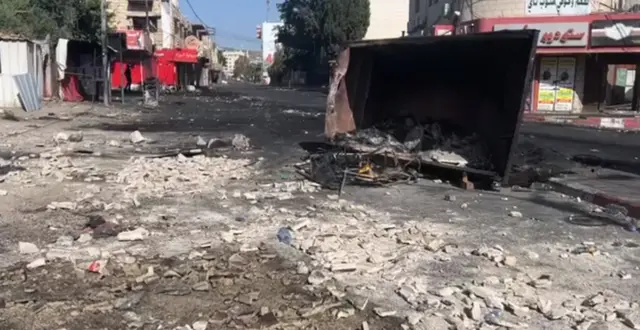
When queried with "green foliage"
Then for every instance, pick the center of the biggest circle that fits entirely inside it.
(247, 70)
(314, 30)
(279, 68)
(241, 67)
(78, 19)
(254, 72)
(221, 59)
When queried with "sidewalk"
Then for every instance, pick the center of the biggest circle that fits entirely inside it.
(617, 121)
(602, 188)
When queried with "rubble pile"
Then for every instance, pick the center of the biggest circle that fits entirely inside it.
(376, 260)
(178, 175)
(212, 289)
(55, 166)
(395, 151)
(428, 142)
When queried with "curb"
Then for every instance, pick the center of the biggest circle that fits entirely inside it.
(595, 196)
(628, 123)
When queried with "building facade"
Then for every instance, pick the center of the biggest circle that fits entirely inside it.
(388, 19)
(230, 57)
(182, 54)
(167, 24)
(584, 60)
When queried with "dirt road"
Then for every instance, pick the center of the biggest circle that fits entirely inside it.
(113, 230)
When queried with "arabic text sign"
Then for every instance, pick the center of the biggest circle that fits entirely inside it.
(554, 34)
(557, 7)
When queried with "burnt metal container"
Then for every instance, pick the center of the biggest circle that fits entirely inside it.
(479, 82)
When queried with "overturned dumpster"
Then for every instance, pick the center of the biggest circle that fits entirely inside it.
(447, 105)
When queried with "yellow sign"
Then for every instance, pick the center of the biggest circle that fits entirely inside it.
(546, 97)
(564, 95)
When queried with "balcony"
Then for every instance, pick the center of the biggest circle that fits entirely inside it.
(135, 40)
(139, 8)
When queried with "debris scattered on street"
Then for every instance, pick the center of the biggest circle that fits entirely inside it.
(136, 137)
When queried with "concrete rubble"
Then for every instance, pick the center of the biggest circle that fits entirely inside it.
(189, 230)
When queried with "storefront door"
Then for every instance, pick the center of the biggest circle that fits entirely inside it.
(556, 83)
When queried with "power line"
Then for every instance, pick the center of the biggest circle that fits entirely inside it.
(196, 14)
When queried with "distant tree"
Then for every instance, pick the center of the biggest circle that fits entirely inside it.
(254, 72)
(241, 66)
(221, 59)
(278, 69)
(314, 30)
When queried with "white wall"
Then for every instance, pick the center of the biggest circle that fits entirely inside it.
(14, 59)
(388, 19)
(431, 10)
(269, 37)
(166, 24)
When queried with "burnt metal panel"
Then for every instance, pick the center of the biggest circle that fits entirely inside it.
(478, 81)
(28, 91)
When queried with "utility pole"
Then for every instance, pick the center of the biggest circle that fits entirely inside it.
(266, 20)
(105, 66)
(153, 84)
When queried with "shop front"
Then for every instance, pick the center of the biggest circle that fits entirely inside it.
(177, 67)
(584, 63)
(560, 65)
(134, 50)
(608, 36)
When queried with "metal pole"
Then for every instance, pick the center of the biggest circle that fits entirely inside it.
(146, 29)
(122, 78)
(105, 67)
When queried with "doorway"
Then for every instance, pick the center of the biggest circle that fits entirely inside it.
(556, 83)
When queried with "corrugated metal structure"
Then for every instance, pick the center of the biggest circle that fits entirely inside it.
(19, 56)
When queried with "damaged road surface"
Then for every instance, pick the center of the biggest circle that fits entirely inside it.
(213, 289)
(225, 235)
(426, 115)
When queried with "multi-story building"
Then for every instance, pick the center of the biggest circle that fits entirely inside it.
(230, 57)
(583, 58)
(167, 25)
(388, 19)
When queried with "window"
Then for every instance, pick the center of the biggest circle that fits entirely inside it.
(140, 23)
(416, 6)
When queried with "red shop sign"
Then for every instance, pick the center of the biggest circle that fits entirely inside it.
(186, 55)
(135, 40)
(554, 34)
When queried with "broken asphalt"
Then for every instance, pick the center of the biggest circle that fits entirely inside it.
(92, 236)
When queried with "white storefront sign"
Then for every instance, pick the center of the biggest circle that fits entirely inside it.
(554, 34)
(557, 7)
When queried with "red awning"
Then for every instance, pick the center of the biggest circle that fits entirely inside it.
(178, 55)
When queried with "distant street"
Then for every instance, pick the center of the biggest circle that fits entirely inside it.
(565, 140)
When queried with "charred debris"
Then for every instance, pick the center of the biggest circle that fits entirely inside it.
(445, 108)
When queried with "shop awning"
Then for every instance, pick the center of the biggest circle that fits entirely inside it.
(178, 55)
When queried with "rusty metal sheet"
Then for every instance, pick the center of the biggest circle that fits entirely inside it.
(468, 80)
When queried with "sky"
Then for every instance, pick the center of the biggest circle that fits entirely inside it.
(234, 20)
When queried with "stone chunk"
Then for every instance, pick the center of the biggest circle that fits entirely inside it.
(630, 318)
(137, 234)
(136, 137)
(515, 214)
(317, 277)
(28, 248)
